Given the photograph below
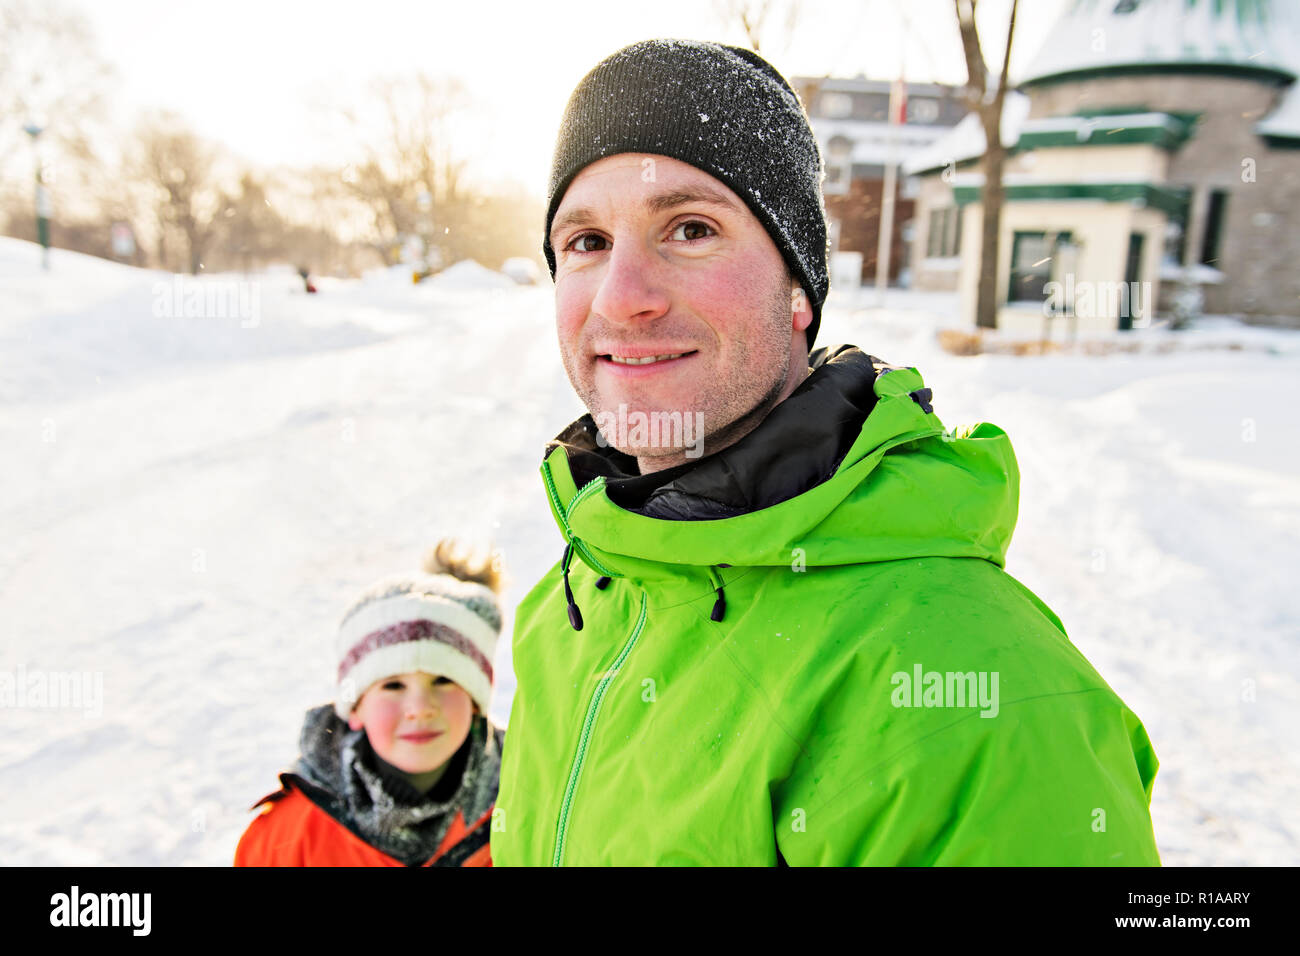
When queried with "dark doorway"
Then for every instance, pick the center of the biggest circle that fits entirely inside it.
(1214, 215)
(1132, 275)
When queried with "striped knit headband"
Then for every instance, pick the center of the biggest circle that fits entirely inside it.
(431, 623)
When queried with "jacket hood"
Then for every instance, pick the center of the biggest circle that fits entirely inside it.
(853, 467)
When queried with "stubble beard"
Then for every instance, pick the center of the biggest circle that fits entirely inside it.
(729, 400)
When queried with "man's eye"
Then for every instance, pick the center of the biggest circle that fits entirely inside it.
(693, 229)
(582, 243)
(393, 685)
(443, 680)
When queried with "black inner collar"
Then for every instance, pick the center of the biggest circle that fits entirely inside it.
(799, 445)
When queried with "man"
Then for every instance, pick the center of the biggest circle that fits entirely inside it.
(780, 631)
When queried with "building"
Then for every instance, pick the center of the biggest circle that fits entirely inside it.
(1152, 142)
(850, 118)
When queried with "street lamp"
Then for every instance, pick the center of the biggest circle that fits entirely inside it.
(42, 198)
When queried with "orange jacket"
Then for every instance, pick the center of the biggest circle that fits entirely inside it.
(293, 831)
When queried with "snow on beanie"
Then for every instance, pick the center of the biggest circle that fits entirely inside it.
(436, 623)
(723, 110)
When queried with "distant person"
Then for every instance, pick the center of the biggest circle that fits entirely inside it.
(402, 769)
(307, 284)
(780, 630)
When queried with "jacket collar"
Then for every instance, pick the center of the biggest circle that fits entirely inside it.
(896, 493)
(797, 446)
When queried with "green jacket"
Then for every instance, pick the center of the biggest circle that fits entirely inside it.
(805, 650)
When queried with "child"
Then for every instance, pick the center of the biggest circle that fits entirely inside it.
(402, 769)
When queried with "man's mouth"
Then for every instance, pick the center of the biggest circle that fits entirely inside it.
(632, 360)
(422, 737)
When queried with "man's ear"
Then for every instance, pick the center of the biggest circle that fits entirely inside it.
(800, 307)
(354, 721)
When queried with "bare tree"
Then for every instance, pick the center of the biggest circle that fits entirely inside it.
(248, 230)
(175, 171)
(411, 176)
(753, 15)
(986, 99)
(52, 77)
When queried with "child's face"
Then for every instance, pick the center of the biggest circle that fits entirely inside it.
(414, 721)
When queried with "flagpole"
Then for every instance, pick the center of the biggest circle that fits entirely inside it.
(885, 243)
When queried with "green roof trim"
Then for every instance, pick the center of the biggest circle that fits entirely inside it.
(1163, 137)
(1190, 117)
(1168, 199)
(1114, 110)
(1280, 76)
(1101, 135)
(1281, 142)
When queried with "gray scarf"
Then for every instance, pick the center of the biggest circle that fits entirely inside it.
(370, 797)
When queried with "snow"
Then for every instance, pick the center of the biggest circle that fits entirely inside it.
(522, 270)
(1092, 34)
(1283, 122)
(468, 275)
(1194, 272)
(193, 502)
(1083, 126)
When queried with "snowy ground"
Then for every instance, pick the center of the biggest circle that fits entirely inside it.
(189, 504)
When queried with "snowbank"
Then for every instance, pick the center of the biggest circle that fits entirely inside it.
(468, 276)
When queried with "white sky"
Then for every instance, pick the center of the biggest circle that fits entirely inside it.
(246, 72)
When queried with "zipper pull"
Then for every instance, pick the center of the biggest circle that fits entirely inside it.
(575, 616)
(602, 582)
(720, 605)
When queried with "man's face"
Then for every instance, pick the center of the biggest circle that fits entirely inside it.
(670, 297)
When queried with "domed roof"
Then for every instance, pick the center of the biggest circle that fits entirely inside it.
(1232, 36)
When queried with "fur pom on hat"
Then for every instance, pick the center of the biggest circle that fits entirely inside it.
(444, 621)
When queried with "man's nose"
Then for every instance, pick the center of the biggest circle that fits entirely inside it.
(632, 287)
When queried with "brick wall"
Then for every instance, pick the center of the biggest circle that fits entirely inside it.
(858, 212)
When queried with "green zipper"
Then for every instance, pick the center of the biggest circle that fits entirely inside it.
(588, 725)
(584, 492)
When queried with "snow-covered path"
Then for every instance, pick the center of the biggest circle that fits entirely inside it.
(189, 504)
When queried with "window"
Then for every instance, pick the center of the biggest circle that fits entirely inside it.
(934, 235)
(922, 111)
(1175, 239)
(1031, 267)
(837, 179)
(1214, 215)
(836, 105)
(944, 236)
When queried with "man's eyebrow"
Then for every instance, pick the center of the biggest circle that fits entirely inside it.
(574, 217)
(695, 194)
(660, 202)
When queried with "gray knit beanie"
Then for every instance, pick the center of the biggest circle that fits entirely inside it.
(723, 110)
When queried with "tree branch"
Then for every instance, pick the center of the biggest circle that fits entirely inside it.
(1006, 60)
(976, 71)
